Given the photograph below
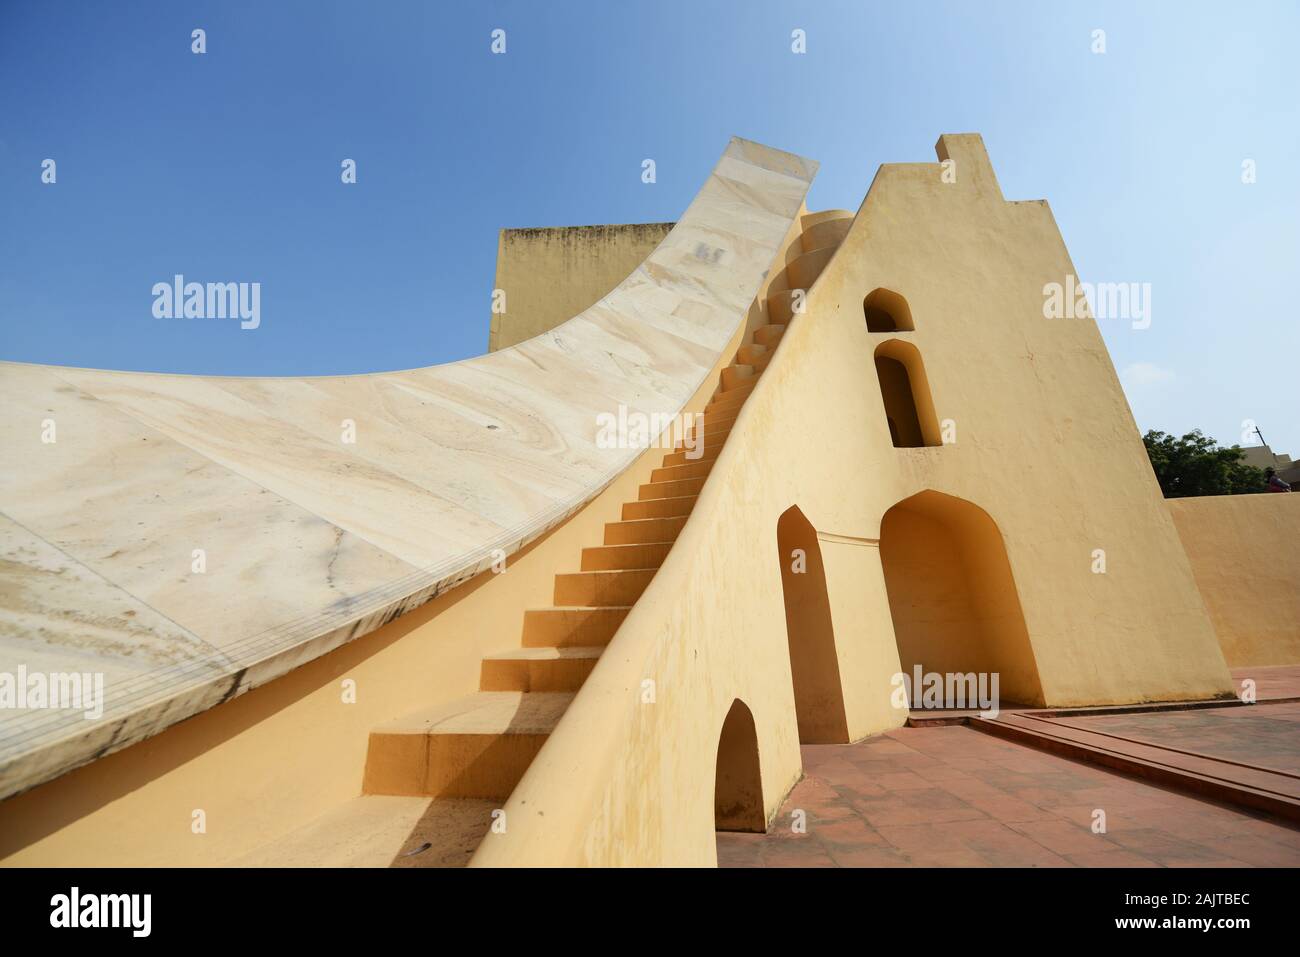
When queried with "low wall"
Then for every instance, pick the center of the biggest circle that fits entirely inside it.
(1245, 554)
(551, 274)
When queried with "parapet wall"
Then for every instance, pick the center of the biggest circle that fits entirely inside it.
(1245, 554)
(546, 276)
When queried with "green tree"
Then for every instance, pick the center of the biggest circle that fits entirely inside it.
(1197, 465)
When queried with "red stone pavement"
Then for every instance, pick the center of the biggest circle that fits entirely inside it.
(1264, 736)
(1279, 681)
(954, 797)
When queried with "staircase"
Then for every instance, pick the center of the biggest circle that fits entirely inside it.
(467, 755)
(480, 746)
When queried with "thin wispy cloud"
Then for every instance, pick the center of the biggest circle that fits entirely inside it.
(1145, 374)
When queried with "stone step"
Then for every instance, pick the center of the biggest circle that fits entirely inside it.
(713, 428)
(721, 421)
(604, 558)
(804, 270)
(572, 626)
(688, 470)
(684, 456)
(675, 489)
(714, 441)
(829, 232)
(659, 508)
(808, 220)
(735, 375)
(475, 747)
(379, 830)
(539, 669)
(602, 588)
(728, 401)
(643, 531)
(780, 307)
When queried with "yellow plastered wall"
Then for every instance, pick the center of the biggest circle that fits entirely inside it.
(549, 275)
(1245, 554)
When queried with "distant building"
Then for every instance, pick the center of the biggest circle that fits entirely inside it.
(1262, 457)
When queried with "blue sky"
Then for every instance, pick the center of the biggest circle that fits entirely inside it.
(225, 166)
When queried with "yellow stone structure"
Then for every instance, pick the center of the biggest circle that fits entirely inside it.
(891, 460)
(546, 276)
(1242, 550)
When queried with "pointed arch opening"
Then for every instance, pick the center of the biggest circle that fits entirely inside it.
(905, 392)
(887, 311)
(814, 664)
(952, 595)
(738, 781)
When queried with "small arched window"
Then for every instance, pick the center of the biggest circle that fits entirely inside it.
(887, 311)
(905, 392)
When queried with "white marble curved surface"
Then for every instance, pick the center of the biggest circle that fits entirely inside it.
(311, 542)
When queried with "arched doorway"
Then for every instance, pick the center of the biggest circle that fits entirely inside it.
(814, 665)
(738, 781)
(905, 392)
(952, 596)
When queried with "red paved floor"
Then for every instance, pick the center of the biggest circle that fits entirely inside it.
(954, 797)
(1266, 735)
(1276, 682)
